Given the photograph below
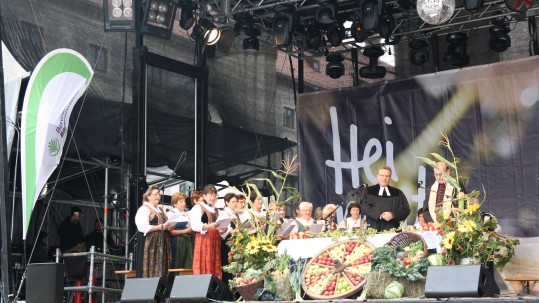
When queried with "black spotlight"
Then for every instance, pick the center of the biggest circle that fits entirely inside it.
(373, 71)
(283, 23)
(358, 32)
(456, 50)
(386, 25)
(313, 37)
(370, 11)
(335, 67)
(159, 18)
(206, 30)
(187, 19)
(335, 34)
(499, 39)
(244, 25)
(418, 51)
(251, 44)
(325, 13)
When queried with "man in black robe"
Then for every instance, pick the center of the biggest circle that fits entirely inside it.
(384, 206)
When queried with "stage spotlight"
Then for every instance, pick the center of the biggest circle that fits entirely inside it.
(358, 32)
(335, 34)
(206, 30)
(119, 16)
(283, 23)
(159, 18)
(251, 44)
(370, 11)
(243, 26)
(386, 26)
(373, 71)
(313, 37)
(499, 39)
(419, 54)
(325, 13)
(187, 19)
(456, 50)
(335, 67)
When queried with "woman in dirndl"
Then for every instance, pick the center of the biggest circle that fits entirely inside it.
(207, 252)
(150, 220)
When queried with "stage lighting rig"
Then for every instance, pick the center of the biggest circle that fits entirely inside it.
(373, 71)
(335, 67)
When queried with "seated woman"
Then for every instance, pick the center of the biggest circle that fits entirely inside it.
(305, 220)
(182, 242)
(328, 217)
(256, 206)
(353, 218)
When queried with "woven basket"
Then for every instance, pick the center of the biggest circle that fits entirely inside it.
(248, 291)
(404, 238)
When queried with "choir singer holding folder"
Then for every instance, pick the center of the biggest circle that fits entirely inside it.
(203, 218)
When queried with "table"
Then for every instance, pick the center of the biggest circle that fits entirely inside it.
(307, 248)
(526, 286)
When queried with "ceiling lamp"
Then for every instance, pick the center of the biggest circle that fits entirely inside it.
(373, 71)
(159, 18)
(325, 13)
(283, 23)
(386, 25)
(118, 15)
(335, 67)
(456, 50)
(418, 54)
(335, 34)
(187, 19)
(435, 11)
(499, 39)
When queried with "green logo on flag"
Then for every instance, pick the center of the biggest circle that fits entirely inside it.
(54, 147)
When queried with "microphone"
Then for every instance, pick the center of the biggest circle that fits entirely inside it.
(364, 185)
(419, 184)
(180, 162)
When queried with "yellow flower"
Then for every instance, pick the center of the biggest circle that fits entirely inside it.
(446, 217)
(447, 242)
(269, 247)
(471, 208)
(252, 247)
(467, 226)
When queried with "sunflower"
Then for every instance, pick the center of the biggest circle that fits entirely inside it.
(447, 242)
(252, 247)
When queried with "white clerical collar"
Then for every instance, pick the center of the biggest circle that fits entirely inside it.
(382, 189)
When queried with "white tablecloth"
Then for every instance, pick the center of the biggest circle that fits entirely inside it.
(307, 248)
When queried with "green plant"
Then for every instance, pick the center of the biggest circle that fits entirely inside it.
(464, 233)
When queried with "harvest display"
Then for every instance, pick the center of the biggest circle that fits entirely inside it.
(338, 271)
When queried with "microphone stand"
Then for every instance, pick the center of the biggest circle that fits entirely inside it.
(329, 216)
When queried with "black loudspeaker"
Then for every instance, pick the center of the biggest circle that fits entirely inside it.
(198, 288)
(460, 281)
(45, 283)
(144, 290)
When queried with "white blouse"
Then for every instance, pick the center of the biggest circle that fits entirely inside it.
(350, 223)
(142, 218)
(195, 217)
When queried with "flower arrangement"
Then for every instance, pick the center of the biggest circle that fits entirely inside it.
(466, 233)
(251, 249)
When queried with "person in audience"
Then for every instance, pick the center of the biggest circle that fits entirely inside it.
(207, 252)
(70, 232)
(150, 220)
(182, 242)
(384, 206)
(353, 217)
(305, 220)
(441, 193)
